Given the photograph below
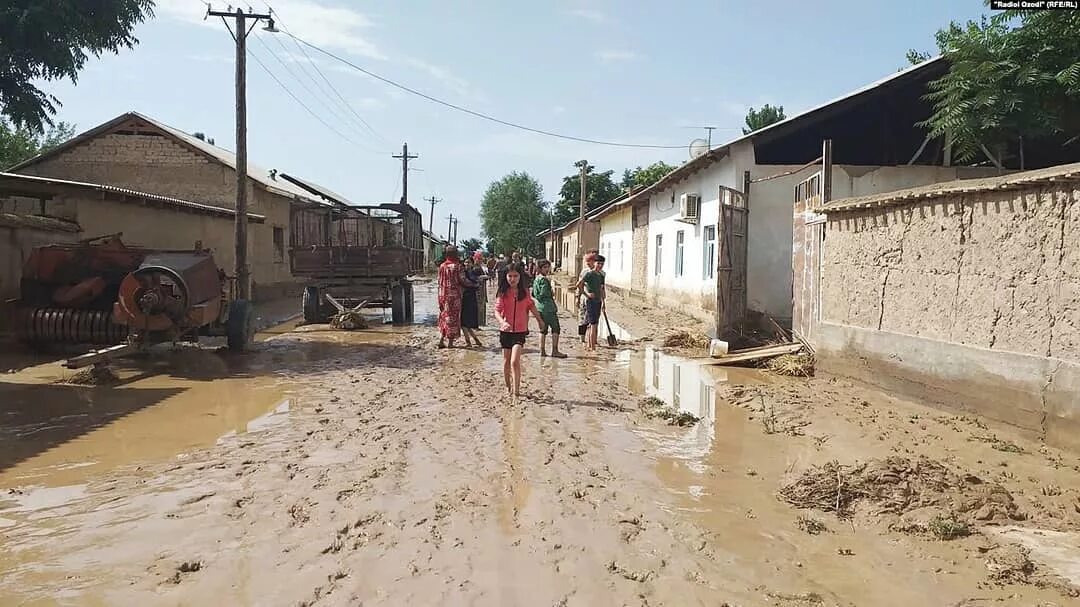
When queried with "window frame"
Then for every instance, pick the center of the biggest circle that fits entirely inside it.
(680, 253)
(708, 258)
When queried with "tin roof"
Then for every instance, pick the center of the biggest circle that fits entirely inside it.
(30, 184)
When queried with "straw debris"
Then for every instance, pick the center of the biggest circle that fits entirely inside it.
(792, 365)
(686, 339)
(96, 375)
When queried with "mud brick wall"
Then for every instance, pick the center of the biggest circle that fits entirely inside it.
(158, 165)
(970, 300)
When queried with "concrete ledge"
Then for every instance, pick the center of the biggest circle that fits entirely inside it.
(1038, 395)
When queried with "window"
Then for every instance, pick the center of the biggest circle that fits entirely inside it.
(279, 244)
(659, 253)
(708, 260)
(680, 240)
(621, 258)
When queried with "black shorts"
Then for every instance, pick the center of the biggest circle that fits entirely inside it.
(592, 311)
(509, 340)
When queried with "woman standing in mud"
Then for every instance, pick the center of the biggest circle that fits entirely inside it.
(451, 283)
(470, 302)
(513, 306)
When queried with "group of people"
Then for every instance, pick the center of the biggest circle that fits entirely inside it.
(523, 290)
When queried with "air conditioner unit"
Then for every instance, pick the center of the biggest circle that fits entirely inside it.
(689, 208)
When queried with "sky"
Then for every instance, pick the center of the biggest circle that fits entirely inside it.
(626, 71)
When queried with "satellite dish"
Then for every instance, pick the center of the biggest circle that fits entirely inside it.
(698, 147)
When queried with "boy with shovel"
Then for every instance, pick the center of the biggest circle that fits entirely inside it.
(595, 293)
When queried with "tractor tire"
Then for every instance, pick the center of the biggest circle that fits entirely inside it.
(240, 327)
(310, 302)
(397, 304)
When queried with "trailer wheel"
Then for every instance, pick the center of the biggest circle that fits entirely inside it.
(410, 308)
(310, 302)
(240, 327)
(397, 304)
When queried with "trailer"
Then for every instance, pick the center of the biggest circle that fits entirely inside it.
(356, 254)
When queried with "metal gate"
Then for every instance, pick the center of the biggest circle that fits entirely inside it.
(807, 239)
(731, 270)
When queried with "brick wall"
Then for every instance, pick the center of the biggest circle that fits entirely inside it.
(639, 273)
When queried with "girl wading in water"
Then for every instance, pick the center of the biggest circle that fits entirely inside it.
(513, 306)
(545, 303)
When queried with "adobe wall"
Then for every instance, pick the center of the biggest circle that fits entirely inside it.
(970, 301)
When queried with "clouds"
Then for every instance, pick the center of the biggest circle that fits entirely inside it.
(609, 56)
(589, 14)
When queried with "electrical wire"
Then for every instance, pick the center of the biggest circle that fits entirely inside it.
(298, 100)
(475, 113)
(303, 50)
(335, 114)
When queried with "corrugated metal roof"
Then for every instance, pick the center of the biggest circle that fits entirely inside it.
(696, 164)
(37, 222)
(195, 207)
(316, 189)
(1068, 173)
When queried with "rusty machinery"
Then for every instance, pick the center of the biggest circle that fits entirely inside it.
(102, 292)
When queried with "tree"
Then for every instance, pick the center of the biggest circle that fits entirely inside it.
(18, 143)
(644, 177)
(52, 40)
(512, 212)
(599, 190)
(469, 245)
(1015, 74)
(759, 119)
(915, 57)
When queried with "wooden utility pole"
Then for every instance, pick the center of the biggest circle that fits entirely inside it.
(455, 220)
(431, 215)
(584, 166)
(240, 32)
(405, 158)
(449, 228)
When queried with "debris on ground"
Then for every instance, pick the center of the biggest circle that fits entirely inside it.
(897, 485)
(750, 355)
(654, 408)
(1009, 563)
(96, 375)
(349, 320)
(810, 525)
(686, 339)
(792, 365)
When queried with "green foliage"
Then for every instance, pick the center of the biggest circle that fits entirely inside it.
(19, 144)
(600, 189)
(469, 245)
(51, 40)
(644, 177)
(759, 119)
(512, 212)
(1015, 74)
(915, 57)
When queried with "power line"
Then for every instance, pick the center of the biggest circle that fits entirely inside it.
(325, 79)
(298, 100)
(324, 104)
(475, 113)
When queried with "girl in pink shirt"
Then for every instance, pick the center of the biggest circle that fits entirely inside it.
(513, 306)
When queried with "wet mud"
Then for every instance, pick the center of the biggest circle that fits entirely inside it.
(368, 467)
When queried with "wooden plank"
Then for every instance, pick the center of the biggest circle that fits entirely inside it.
(99, 356)
(751, 354)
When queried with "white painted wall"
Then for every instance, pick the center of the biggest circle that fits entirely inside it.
(616, 233)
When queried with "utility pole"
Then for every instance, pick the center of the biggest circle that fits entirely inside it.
(240, 34)
(449, 228)
(584, 165)
(455, 220)
(405, 158)
(431, 215)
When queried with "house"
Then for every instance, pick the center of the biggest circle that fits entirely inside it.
(433, 249)
(156, 163)
(669, 246)
(561, 245)
(963, 294)
(19, 234)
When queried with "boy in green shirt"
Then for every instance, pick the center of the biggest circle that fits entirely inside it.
(595, 292)
(545, 304)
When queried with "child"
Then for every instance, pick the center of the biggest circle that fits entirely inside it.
(583, 326)
(545, 303)
(595, 293)
(512, 309)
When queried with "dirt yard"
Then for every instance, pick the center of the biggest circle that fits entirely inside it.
(377, 470)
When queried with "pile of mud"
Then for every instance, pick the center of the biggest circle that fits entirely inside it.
(898, 485)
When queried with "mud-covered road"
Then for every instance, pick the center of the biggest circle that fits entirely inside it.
(369, 468)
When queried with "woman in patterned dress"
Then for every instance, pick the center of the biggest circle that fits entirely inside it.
(451, 282)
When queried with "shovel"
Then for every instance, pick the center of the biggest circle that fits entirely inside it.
(611, 341)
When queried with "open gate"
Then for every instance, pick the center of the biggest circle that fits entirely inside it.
(808, 237)
(731, 270)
